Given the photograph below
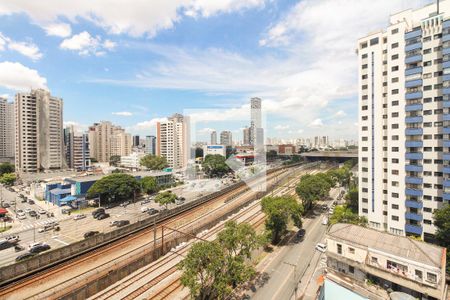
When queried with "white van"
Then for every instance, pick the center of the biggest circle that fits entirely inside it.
(321, 247)
(325, 221)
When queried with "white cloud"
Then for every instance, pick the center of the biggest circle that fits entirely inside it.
(145, 126)
(282, 127)
(316, 123)
(205, 130)
(4, 96)
(340, 114)
(27, 49)
(77, 126)
(133, 17)
(123, 113)
(85, 44)
(58, 29)
(16, 76)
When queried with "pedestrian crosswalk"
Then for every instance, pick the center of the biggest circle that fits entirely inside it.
(41, 223)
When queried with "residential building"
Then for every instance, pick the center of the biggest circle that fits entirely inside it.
(108, 140)
(39, 132)
(173, 140)
(214, 149)
(136, 140)
(150, 144)
(256, 131)
(246, 136)
(226, 138)
(7, 129)
(132, 161)
(213, 138)
(404, 101)
(359, 254)
(76, 149)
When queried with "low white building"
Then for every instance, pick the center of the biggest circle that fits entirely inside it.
(132, 161)
(214, 149)
(402, 264)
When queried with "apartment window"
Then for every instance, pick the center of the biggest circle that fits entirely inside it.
(394, 92)
(394, 218)
(364, 66)
(373, 41)
(428, 222)
(427, 88)
(394, 149)
(363, 45)
(427, 149)
(394, 57)
(394, 31)
(431, 277)
(394, 195)
(437, 36)
(351, 250)
(364, 128)
(394, 79)
(427, 75)
(384, 40)
(365, 97)
(427, 136)
(394, 183)
(438, 136)
(364, 107)
(394, 103)
(364, 56)
(365, 211)
(365, 200)
(426, 51)
(394, 68)
(394, 172)
(339, 248)
(364, 118)
(427, 124)
(365, 159)
(427, 112)
(364, 76)
(364, 86)
(427, 39)
(365, 139)
(438, 111)
(374, 260)
(395, 160)
(427, 63)
(418, 274)
(394, 45)
(427, 209)
(351, 269)
(395, 206)
(437, 124)
(394, 126)
(365, 179)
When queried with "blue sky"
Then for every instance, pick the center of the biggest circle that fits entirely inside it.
(134, 62)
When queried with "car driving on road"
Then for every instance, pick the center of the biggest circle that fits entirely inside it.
(40, 248)
(79, 217)
(90, 233)
(25, 256)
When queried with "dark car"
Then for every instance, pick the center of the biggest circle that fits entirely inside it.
(146, 201)
(40, 248)
(102, 216)
(24, 200)
(90, 233)
(32, 213)
(98, 211)
(300, 235)
(30, 201)
(25, 256)
(152, 211)
(122, 223)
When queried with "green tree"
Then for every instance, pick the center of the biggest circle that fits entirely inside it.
(149, 185)
(442, 222)
(312, 188)
(115, 171)
(6, 168)
(343, 214)
(114, 160)
(198, 152)
(215, 165)
(212, 269)
(8, 178)
(114, 187)
(279, 210)
(352, 199)
(271, 155)
(165, 198)
(154, 162)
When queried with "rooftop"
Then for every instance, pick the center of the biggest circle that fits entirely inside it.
(393, 244)
(135, 174)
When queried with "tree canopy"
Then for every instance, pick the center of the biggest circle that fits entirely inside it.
(343, 214)
(312, 188)
(442, 222)
(149, 185)
(352, 199)
(165, 198)
(114, 187)
(279, 210)
(6, 168)
(214, 165)
(114, 160)
(212, 269)
(8, 178)
(154, 162)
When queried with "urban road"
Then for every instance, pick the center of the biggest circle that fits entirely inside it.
(287, 267)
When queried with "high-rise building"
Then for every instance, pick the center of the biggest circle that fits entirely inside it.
(76, 149)
(256, 130)
(213, 138)
(404, 103)
(150, 144)
(7, 129)
(108, 140)
(226, 138)
(136, 140)
(39, 132)
(246, 136)
(173, 140)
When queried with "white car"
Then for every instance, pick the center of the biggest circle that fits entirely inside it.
(325, 221)
(36, 244)
(21, 216)
(144, 209)
(27, 210)
(79, 217)
(321, 247)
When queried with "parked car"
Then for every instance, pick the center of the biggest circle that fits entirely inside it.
(30, 201)
(35, 244)
(146, 201)
(79, 217)
(102, 216)
(88, 234)
(25, 256)
(32, 213)
(21, 216)
(5, 204)
(66, 210)
(42, 211)
(123, 204)
(325, 221)
(122, 223)
(321, 247)
(47, 227)
(27, 210)
(144, 209)
(19, 211)
(24, 200)
(40, 248)
(152, 211)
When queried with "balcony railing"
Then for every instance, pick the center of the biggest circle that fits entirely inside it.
(414, 204)
(413, 216)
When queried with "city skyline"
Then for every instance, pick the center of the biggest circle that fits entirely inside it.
(161, 79)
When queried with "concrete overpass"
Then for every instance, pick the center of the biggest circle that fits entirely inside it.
(339, 156)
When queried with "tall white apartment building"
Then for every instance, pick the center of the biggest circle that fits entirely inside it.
(7, 129)
(173, 140)
(106, 140)
(213, 138)
(226, 138)
(39, 132)
(404, 117)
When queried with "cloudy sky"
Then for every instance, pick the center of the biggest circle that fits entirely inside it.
(136, 61)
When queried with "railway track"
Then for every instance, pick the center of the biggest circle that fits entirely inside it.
(168, 290)
(10, 292)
